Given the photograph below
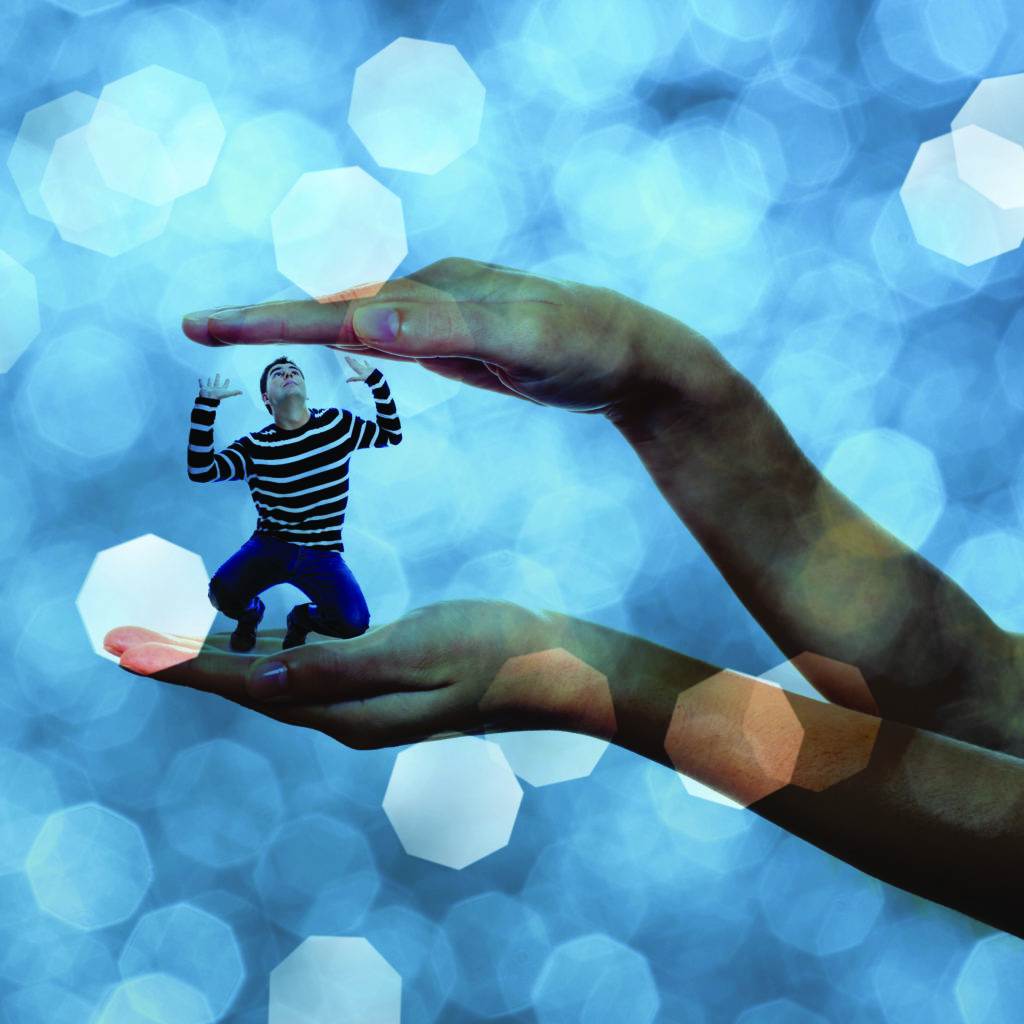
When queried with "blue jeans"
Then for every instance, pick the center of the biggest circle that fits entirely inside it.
(337, 606)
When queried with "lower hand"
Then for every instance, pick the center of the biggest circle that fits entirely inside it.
(449, 668)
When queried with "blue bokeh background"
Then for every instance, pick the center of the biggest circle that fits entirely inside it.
(735, 163)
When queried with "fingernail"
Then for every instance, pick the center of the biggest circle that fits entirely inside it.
(379, 323)
(222, 328)
(268, 680)
(200, 316)
(198, 323)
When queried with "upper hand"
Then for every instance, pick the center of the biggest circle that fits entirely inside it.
(453, 667)
(213, 388)
(551, 342)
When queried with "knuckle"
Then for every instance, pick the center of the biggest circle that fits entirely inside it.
(450, 265)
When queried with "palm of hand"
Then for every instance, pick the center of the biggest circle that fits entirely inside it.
(447, 668)
(213, 388)
(360, 367)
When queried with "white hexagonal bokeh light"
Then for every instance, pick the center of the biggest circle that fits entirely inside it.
(20, 302)
(990, 986)
(338, 229)
(85, 210)
(28, 795)
(171, 110)
(218, 801)
(545, 756)
(155, 998)
(416, 105)
(131, 159)
(950, 217)
(991, 165)
(334, 979)
(595, 977)
(988, 133)
(893, 478)
(89, 866)
(197, 947)
(40, 128)
(146, 582)
(106, 171)
(452, 801)
(990, 567)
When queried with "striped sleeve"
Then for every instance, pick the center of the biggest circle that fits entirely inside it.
(387, 428)
(204, 464)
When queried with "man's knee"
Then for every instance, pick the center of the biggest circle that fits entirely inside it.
(346, 629)
(224, 599)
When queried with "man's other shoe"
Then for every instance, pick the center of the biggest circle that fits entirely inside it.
(296, 634)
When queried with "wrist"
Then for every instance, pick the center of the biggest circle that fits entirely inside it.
(632, 685)
(677, 380)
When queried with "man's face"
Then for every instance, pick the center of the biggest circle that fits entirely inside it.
(285, 380)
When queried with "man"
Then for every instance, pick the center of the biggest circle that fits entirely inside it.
(297, 472)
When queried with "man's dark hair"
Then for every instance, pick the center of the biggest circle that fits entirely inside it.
(266, 374)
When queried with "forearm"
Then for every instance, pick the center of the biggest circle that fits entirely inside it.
(201, 464)
(935, 816)
(389, 426)
(205, 464)
(815, 571)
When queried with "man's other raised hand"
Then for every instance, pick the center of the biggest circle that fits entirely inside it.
(213, 388)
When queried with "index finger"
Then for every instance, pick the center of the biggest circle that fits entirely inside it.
(302, 321)
(323, 320)
(208, 669)
(371, 665)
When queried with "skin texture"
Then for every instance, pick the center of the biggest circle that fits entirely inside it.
(920, 737)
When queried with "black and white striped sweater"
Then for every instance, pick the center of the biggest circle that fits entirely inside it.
(298, 478)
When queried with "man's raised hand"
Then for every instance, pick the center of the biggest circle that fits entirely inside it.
(360, 367)
(213, 388)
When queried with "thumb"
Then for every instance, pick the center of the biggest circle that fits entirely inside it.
(424, 329)
(336, 671)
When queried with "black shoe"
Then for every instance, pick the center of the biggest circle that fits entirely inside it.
(296, 634)
(244, 637)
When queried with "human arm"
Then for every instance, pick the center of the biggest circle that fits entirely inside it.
(938, 817)
(818, 574)
(821, 576)
(205, 465)
(386, 428)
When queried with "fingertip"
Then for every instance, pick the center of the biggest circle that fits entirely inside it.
(149, 658)
(120, 638)
(130, 661)
(195, 327)
(203, 326)
(223, 327)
